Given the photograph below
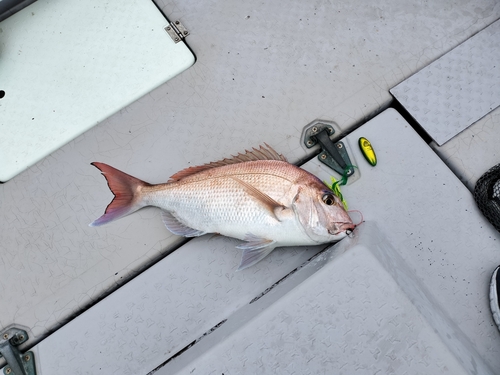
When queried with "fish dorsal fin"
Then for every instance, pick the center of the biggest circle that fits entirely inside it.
(263, 153)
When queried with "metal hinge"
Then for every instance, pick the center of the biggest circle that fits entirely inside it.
(332, 154)
(177, 31)
(17, 362)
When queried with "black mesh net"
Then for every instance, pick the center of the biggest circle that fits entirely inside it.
(487, 195)
(496, 190)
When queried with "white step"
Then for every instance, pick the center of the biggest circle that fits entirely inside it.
(356, 308)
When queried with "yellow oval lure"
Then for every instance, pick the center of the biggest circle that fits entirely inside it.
(367, 150)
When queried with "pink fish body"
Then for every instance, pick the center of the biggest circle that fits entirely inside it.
(256, 197)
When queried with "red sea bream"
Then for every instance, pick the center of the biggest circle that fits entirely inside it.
(256, 197)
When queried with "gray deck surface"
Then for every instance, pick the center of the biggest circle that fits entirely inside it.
(430, 276)
(456, 90)
(263, 72)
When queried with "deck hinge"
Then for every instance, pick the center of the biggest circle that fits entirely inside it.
(17, 363)
(332, 154)
(177, 31)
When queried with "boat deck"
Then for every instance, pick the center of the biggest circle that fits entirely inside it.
(408, 292)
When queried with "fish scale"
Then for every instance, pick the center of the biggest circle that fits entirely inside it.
(257, 197)
(204, 206)
(212, 190)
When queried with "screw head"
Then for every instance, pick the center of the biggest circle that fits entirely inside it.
(314, 129)
(168, 28)
(177, 22)
(5, 336)
(27, 357)
(323, 156)
(185, 33)
(309, 143)
(176, 39)
(8, 370)
(339, 145)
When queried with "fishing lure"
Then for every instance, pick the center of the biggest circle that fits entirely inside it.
(368, 151)
(335, 188)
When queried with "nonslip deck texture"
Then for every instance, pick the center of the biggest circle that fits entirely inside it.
(179, 299)
(456, 90)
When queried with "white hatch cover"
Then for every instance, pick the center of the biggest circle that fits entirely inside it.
(67, 65)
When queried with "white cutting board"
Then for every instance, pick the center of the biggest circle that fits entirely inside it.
(67, 65)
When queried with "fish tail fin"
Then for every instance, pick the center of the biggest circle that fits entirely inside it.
(127, 192)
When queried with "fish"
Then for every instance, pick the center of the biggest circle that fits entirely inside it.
(256, 196)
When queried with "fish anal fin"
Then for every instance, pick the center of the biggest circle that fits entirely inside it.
(263, 153)
(254, 250)
(269, 203)
(178, 228)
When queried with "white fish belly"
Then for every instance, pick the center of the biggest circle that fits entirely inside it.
(223, 206)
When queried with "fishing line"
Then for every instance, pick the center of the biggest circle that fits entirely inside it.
(344, 177)
(360, 214)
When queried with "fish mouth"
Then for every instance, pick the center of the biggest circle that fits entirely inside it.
(342, 227)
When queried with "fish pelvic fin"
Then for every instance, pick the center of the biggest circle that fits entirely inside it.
(126, 190)
(254, 250)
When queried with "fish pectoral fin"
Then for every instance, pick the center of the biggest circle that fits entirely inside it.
(274, 207)
(176, 227)
(254, 250)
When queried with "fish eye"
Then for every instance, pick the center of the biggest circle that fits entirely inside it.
(328, 199)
